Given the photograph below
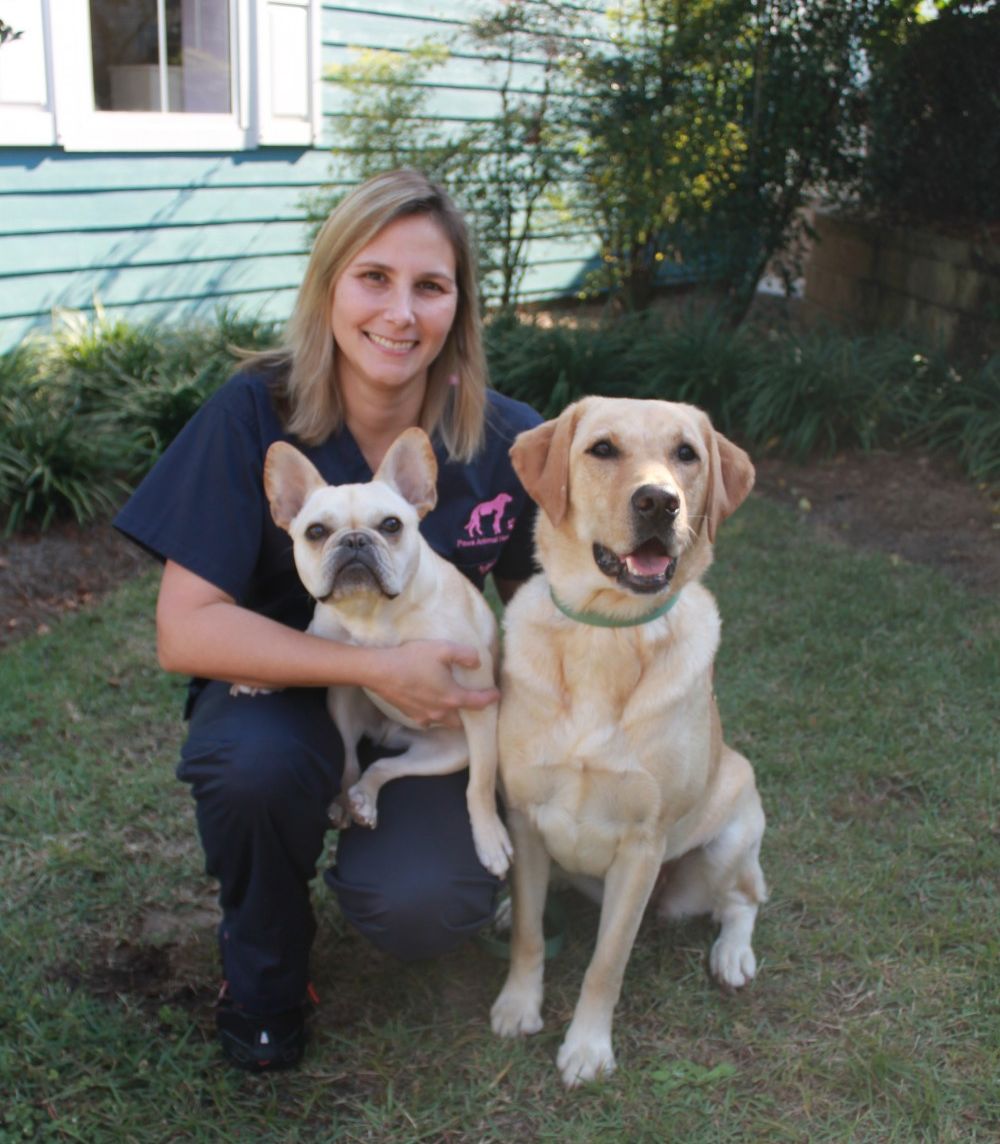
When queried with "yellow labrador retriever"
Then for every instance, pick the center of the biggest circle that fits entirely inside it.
(611, 751)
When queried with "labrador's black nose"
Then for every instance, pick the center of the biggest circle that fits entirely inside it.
(654, 503)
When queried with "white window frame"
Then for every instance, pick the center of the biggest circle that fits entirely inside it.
(26, 117)
(264, 112)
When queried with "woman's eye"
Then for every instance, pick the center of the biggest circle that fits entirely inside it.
(431, 287)
(604, 449)
(317, 532)
(687, 454)
(391, 525)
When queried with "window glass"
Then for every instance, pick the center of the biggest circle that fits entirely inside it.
(161, 55)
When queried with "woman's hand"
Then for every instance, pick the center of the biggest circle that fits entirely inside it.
(202, 631)
(417, 679)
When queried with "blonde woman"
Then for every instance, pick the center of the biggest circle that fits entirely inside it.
(385, 334)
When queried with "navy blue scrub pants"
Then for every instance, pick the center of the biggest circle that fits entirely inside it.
(263, 769)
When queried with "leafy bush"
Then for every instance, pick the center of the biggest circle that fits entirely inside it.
(58, 452)
(795, 394)
(86, 412)
(960, 414)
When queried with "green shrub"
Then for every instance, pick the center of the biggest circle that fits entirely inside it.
(795, 394)
(59, 455)
(959, 414)
(824, 391)
(86, 412)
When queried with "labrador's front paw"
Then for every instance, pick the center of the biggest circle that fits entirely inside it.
(732, 963)
(583, 1060)
(517, 1012)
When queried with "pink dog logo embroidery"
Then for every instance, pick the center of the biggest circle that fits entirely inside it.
(495, 509)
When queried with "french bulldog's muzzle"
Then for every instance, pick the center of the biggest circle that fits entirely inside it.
(650, 564)
(357, 562)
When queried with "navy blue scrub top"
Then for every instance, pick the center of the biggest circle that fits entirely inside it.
(203, 504)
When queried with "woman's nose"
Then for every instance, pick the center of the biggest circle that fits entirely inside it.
(399, 306)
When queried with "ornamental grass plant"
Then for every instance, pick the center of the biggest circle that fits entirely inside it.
(87, 410)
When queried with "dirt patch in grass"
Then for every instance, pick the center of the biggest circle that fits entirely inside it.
(917, 508)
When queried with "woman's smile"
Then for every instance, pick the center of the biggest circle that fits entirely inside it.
(393, 308)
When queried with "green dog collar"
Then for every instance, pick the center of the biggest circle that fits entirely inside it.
(595, 619)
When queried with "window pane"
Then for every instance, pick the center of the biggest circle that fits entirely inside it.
(187, 71)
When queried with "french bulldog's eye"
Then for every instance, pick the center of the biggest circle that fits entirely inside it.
(604, 449)
(686, 453)
(316, 532)
(391, 525)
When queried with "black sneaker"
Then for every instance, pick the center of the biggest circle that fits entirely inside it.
(256, 1042)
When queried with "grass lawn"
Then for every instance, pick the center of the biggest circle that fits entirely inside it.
(864, 690)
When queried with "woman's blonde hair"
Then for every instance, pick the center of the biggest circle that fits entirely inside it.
(455, 401)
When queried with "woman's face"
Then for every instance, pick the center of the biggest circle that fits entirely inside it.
(393, 307)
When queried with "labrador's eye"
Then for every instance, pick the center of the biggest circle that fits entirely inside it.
(604, 449)
(686, 454)
(391, 525)
(317, 532)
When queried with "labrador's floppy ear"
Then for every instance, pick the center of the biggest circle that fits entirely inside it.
(540, 457)
(731, 477)
(410, 467)
(289, 479)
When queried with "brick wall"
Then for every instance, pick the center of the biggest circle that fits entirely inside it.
(942, 289)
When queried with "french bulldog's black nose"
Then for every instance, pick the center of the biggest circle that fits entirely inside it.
(356, 540)
(654, 503)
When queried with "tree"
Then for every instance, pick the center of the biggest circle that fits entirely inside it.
(498, 169)
(703, 126)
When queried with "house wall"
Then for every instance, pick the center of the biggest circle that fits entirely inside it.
(172, 237)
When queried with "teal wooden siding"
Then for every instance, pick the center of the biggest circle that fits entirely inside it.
(171, 237)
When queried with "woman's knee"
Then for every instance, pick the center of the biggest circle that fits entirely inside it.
(262, 775)
(417, 917)
(254, 755)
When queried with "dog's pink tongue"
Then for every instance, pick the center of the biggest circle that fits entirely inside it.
(641, 563)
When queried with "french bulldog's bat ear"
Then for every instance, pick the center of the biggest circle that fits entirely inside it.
(730, 479)
(540, 457)
(410, 467)
(289, 479)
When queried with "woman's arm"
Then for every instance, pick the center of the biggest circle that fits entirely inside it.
(202, 631)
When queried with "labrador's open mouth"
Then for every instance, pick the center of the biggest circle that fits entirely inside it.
(648, 569)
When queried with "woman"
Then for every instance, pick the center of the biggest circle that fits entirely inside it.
(384, 335)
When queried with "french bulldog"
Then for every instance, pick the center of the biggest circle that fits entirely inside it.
(378, 583)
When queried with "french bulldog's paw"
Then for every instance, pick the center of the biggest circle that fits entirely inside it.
(247, 689)
(363, 808)
(516, 1012)
(493, 845)
(583, 1060)
(732, 963)
(339, 814)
